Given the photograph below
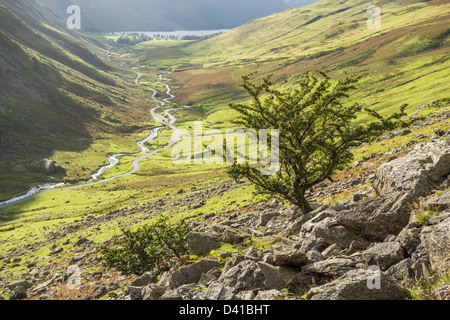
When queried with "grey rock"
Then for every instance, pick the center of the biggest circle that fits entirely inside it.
(41, 288)
(190, 274)
(438, 219)
(207, 278)
(253, 252)
(190, 292)
(102, 289)
(145, 279)
(171, 295)
(22, 283)
(384, 255)
(314, 256)
(415, 173)
(18, 293)
(218, 291)
(288, 256)
(77, 258)
(409, 237)
(334, 267)
(354, 286)
(435, 243)
(232, 262)
(439, 202)
(51, 167)
(268, 295)
(276, 277)
(442, 292)
(355, 226)
(232, 236)
(402, 271)
(202, 243)
(246, 295)
(264, 219)
(135, 293)
(153, 292)
(247, 275)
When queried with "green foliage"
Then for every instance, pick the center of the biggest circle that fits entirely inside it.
(150, 247)
(422, 216)
(316, 132)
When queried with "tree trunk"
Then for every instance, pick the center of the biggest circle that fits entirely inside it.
(301, 199)
(304, 204)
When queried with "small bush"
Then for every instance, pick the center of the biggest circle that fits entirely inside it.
(152, 247)
(422, 216)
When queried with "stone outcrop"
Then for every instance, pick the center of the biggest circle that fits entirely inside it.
(354, 286)
(427, 165)
(51, 167)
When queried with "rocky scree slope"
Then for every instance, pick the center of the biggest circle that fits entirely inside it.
(326, 254)
(323, 255)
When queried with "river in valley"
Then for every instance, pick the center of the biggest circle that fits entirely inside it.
(114, 159)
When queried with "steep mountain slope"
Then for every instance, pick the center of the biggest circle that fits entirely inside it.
(407, 60)
(163, 15)
(54, 93)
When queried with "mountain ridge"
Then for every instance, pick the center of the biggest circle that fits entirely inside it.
(160, 15)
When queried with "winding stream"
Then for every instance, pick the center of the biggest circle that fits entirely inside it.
(114, 159)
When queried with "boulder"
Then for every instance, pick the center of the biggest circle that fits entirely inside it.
(41, 288)
(18, 293)
(135, 293)
(439, 202)
(171, 295)
(230, 235)
(427, 164)
(232, 262)
(356, 285)
(435, 244)
(22, 283)
(190, 292)
(246, 275)
(442, 292)
(268, 295)
(288, 256)
(384, 255)
(153, 292)
(409, 237)
(190, 274)
(145, 279)
(356, 225)
(202, 243)
(402, 271)
(276, 277)
(218, 291)
(331, 268)
(51, 167)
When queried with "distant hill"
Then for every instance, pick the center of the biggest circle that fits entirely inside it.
(406, 61)
(164, 15)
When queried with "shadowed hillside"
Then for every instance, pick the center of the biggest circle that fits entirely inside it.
(55, 93)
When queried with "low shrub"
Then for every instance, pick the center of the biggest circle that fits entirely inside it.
(151, 247)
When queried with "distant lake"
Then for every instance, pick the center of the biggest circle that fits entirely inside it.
(178, 34)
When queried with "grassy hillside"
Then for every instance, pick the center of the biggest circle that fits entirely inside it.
(407, 61)
(57, 99)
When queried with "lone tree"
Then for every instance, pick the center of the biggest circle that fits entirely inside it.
(316, 132)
